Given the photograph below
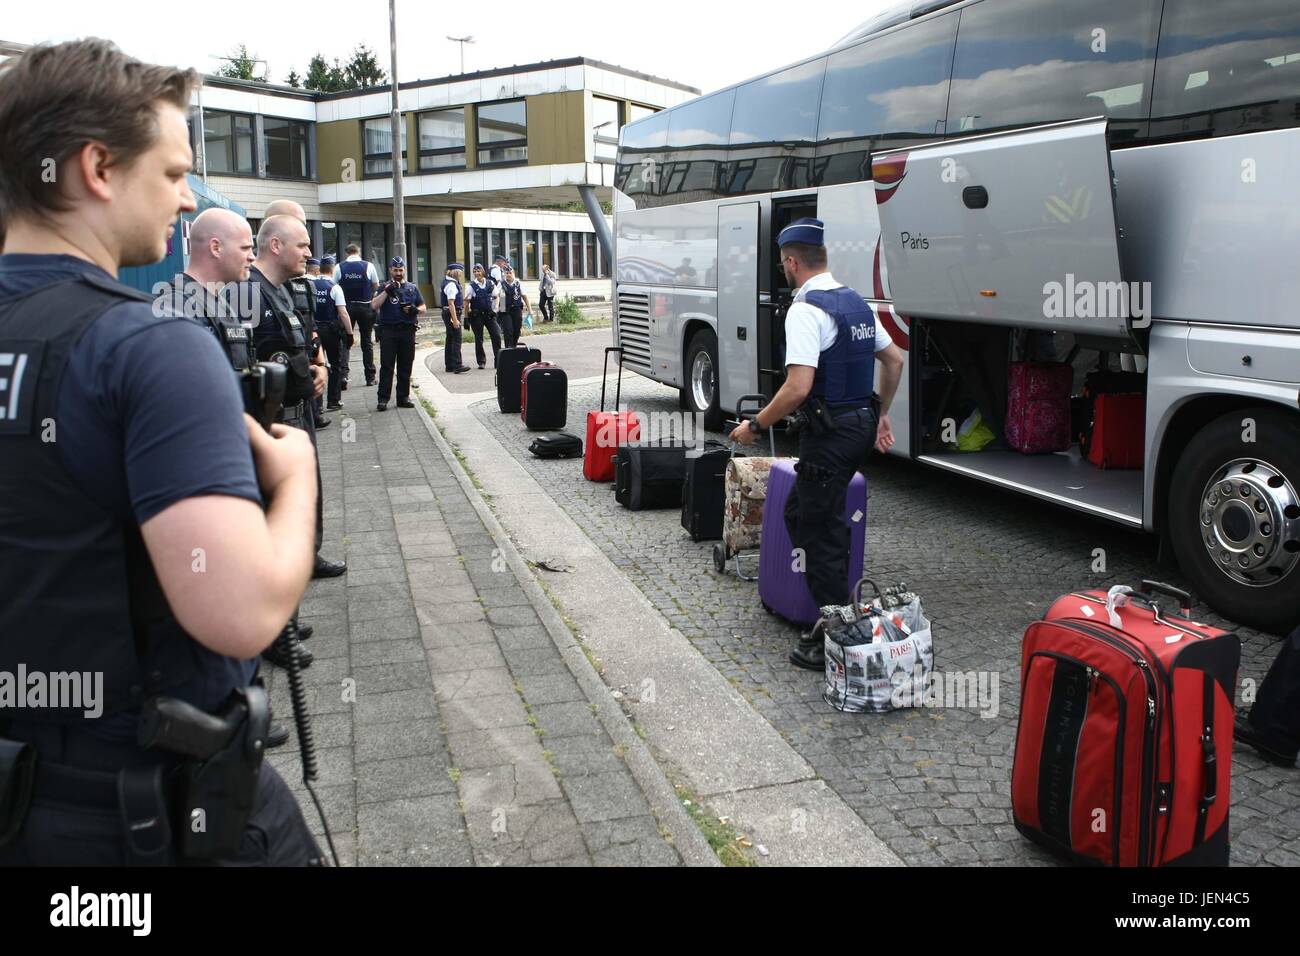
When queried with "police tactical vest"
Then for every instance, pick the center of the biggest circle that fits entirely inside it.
(514, 293)
(304, 303)
(326, 310)
(481, 295)
(218, 317)
(81, 595)
(846, 371)
(279, 336)
(460, 295)
(354, 276)
(390, 313)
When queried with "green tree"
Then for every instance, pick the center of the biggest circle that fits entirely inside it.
(363, 69)
(293, 79)
(324, 77)
(241, 65)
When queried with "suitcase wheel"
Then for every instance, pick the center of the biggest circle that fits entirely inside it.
(720, 558)
(767, 609)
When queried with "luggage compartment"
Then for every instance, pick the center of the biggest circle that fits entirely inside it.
(960, 367)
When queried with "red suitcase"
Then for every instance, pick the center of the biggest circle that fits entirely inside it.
(1124, 747)
(607, 430)
(1115, 439)
(1038, 406)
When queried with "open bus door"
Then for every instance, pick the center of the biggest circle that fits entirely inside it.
(989, 237)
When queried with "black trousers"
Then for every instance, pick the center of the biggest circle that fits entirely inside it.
(512, 324)
(814, 512)
(91, 834)
(547, 306)
(1275, 715)
(396, 353)
(479, 319)
(363, 323)
(331, 340)
(451, 349)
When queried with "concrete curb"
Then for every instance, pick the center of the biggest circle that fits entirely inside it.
(662, 797)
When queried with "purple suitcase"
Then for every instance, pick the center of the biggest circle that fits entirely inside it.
(782, 589)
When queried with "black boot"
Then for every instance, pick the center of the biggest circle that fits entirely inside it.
(278, 654)
(277, 735)
(810, 653)
(1246, 733)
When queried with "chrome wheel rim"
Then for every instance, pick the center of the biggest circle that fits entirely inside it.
(1249, 522)
(702, 381)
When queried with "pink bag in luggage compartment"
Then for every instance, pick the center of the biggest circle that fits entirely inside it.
(1038, 406)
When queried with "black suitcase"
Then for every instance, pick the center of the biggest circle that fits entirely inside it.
(649, 475)
(558, 445)
(510, 365)
(548, 397)
(1275, 715)
(704, 492)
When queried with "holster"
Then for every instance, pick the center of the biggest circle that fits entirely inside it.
(17, 774)
(216, 795)
(815, 417)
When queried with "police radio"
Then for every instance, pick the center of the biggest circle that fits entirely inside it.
(263, 388)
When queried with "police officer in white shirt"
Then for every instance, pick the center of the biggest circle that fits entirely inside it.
(832, 345)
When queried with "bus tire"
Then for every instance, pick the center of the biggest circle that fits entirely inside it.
(702, 363)
(1234, 516)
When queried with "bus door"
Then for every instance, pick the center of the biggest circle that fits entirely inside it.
(776, 294)
(738, 254)
(1013, 228)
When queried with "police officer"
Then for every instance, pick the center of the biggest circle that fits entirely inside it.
(349, 338)
(498, 276)
(481, 290)
(303, 299)
(516, 302)
(334, 327)
(399, 305)
(453, 317)
(107, 519)
(359, 281)
(832, 344)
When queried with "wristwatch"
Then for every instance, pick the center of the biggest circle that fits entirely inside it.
(754, 426)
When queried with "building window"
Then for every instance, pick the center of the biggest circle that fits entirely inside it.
(562, 255)
(529, 263)
(589, 254)
(378, 146)
(635, 112)
(503, 133)
(228, 142)
(606, 121)
(375, 247)
(496, 245)
(442, 139)
(548, 247)
(329, 245)
(288, 148)
(421, 271)
(476, 251)
(351, 235)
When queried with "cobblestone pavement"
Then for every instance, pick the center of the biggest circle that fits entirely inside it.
(935, 783)
(450, 730)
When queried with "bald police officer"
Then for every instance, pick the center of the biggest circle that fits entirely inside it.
(832, 344)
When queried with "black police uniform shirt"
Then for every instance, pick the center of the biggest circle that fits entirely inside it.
(149, 414)
(390, 312)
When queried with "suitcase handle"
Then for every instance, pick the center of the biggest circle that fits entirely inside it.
(759, 401)
(1184, 598)
(604, 374)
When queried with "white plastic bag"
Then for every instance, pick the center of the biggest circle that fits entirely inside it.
(877, 660)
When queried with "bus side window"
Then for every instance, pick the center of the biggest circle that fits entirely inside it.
(1222, 69)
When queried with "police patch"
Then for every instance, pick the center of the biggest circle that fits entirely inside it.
(20, 369)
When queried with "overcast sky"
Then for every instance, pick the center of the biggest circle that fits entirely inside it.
(702, 44)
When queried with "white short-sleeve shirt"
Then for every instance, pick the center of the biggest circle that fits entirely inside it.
(450, 289)
(337, 296)
(371, 274)
(809, 331)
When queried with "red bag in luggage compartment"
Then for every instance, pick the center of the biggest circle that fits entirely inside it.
(1115, 439)
(607, 430)
(1038, 406)
(1124, 748)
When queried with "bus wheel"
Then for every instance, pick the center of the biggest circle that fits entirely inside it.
(701, 389)
(1234, 516)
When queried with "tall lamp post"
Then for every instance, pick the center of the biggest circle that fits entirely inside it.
(399, 212)
(462, 41)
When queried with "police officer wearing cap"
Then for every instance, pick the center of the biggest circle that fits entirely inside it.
(334, 327)
(349, 339)
(128, 532)
(453, 316)
(359, 281)
(399, 306)
(832, 345)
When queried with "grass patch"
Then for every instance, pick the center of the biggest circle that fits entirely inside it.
(454, 773)
(722, 838)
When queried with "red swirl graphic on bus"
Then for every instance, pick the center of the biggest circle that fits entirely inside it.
(888, 173)
(898, 326)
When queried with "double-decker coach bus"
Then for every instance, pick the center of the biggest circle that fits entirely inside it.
(1113, 183)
